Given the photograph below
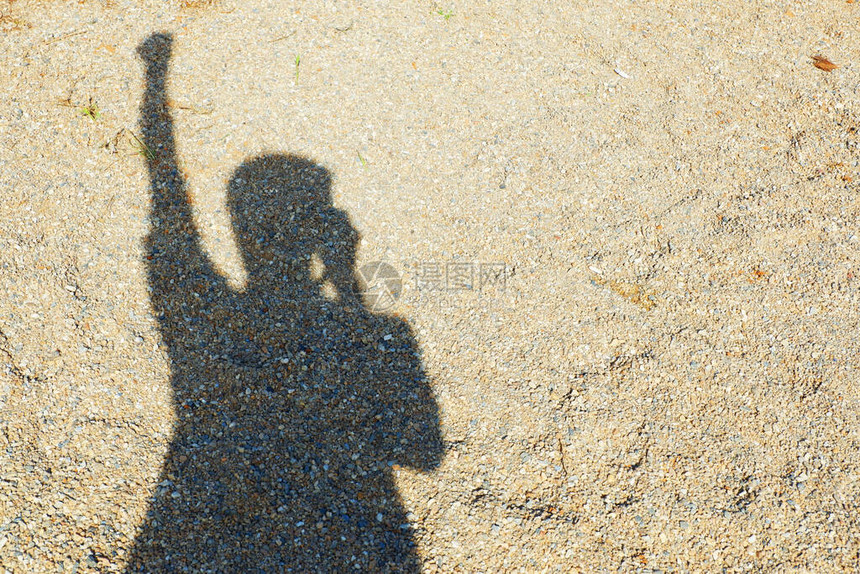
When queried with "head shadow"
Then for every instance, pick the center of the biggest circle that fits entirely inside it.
(283, 219)
(294, 403)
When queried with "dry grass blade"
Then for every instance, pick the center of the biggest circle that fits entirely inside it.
(143, 149)
(823, 63)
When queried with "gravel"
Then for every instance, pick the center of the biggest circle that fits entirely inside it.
(626, 337)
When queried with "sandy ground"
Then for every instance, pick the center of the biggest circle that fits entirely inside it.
(661, 378)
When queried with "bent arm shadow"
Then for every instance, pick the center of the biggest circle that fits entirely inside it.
(293, 401)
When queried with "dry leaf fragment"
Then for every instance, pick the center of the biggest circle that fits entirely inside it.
(823, 63)
(9, 23)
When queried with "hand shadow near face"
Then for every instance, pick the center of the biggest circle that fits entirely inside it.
(293, 401)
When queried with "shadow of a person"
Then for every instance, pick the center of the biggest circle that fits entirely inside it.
(293, 401)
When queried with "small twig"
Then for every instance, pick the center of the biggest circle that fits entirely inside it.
(561, 452)
(189, 108)
(290, 35)
(66, 36)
